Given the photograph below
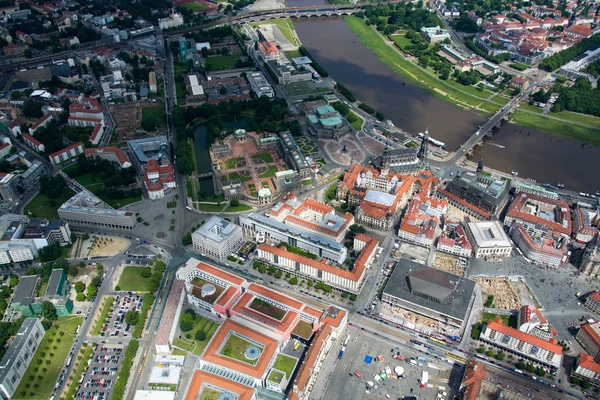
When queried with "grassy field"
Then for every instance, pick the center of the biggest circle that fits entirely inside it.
(41, 375)
(285, 25)
(91, 182)
(472, 90)
(235, 347)
(527, 107)
(276, 376)
(195, 346)
(558, 128)
(507, 320)
(285, 364)
(358, 123)
(232, 162)
(236, 175)
(589, 120)
(195, 7)
(307, 182)
(411, 72)
(131, 279)
(266, 157)
(401, 40)
(238, 208)
(154, 115)
(181, 92)
(269, 172)
(106, 305)
(78, 368)
(303, 329)
(210, 207)
(42, 206)
(292, 54)
(222, 62)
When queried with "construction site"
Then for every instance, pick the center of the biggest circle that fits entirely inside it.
(449, 263)
(505, 296)
(128, 118)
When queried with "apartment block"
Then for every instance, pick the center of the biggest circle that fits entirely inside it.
(589, 338)
(529, 347)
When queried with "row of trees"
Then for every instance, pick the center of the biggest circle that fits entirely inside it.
(581, 98)
(561, 58)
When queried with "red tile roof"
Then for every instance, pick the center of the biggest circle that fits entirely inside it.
(587, 361)
(591, 333)
(31, 139)
(120, 154)
(95, 133)
(211, 353)
(562, 211)
(533, 340)
(41, 121)
(4, 145)
(71, 147)
(226, 296)
(308, 365)
(219, 273)
(273, 295)
(242, 306)
(474, 376)
(201, 378)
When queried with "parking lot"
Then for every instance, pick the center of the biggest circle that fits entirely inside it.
(354, 377)
(98, 380)
(115, 325)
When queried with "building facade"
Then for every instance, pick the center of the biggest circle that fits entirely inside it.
(19, 355)
(86, 210)
(477, 194)
(532, 348)
(589, 338)
(587, 369)
(489, 240)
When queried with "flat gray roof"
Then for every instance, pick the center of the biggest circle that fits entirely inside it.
(53, 282)
(375, 196)
(429, 280)
(217, 229)
(295, 232)
(24, 289)
(15, 347)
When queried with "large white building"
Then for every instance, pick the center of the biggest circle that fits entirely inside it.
(217, 238)
(87, 210)
(529, 347)
(19, 355)
(264, 229)
(260, 85)
(489, 240)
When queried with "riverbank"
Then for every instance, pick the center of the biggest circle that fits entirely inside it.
(557, 127)
(387, 54)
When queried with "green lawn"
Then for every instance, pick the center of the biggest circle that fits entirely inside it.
(285, 364)
(270, 172)
(79, 367)
(41, 375)
(527, 107)
(233, 162)
(558, 128)
(303, 329)
(411, 72)
(266, 157)
(92, 183)
(238, 208)
(584, 119)
(42, 206)
(267, 309)
(275, 376)
(292, 54)
(307, 182)
(106, 305)
(195, 346)
(500, 100)
(358, 123)
(402, 41)
(235, 347)
(222, 62)
(285, 25)
(195, 7)
(236, 175)
(181, 92)
(507, 320)
(154, 116)
(131, 279)
(472, 90)
(210, 207)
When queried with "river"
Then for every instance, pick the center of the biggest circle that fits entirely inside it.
(534, 154)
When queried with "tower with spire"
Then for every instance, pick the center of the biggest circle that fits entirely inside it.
(423, 149)
(385, 159)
